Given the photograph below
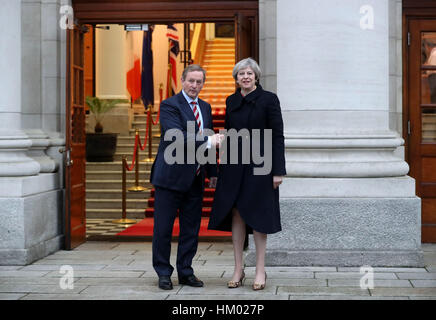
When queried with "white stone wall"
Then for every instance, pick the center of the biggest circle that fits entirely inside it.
(268, 44)
(396, 70)
(31, 167)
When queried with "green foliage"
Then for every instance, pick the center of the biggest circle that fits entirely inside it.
(99, 107)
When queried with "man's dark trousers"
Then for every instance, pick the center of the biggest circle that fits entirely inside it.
(167, 203)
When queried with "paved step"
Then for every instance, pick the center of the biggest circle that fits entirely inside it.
(220, 85)
(114, 184)
(116, 203)
(221, 66)
(114, 213)
(114, 166)
(218, 60)
(217, 50)
(114, 175)
(129, 148)
(118, 156)
(218, 72)
(116, 194)
(220, 91)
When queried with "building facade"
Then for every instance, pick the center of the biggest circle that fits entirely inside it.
(338, 70)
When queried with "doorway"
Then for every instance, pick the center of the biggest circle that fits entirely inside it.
(421, 103)
(242, 15)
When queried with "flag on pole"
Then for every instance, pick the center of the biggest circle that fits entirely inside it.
(147, 91)
(133, 77)
(173, 51)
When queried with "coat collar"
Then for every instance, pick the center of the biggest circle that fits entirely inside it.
(238, 99)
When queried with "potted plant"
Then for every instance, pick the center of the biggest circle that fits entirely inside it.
(100, 147)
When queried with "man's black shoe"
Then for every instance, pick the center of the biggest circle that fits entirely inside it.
(191, 280)
(165, 283)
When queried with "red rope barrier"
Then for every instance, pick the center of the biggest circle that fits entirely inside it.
(146, 132)
(157, 117)
(138, 139)
(134, 155)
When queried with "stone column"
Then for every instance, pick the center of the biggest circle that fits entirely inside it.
(30, 196)
(13, 141)
(347, 199)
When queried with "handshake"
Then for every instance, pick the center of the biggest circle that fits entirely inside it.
(217, 139)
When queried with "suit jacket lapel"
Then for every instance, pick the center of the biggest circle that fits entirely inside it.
(185, 107)
(204, 112)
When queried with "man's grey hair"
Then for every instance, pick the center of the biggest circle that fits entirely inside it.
(191, 68)
(245, 63)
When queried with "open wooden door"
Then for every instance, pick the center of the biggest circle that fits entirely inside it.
(421, 110)
(75, 208)
(245, 38)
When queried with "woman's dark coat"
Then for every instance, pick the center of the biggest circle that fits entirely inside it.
(253, 195)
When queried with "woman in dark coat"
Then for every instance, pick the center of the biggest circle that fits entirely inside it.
(246, 201)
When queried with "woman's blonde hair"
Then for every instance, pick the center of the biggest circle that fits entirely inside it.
(245, 63)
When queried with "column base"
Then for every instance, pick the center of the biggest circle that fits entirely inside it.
(340, 258)
(341, 231)
(31, 218)
(20, 257)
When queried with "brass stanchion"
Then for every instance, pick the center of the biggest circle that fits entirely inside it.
(137, 187)
(124, 220)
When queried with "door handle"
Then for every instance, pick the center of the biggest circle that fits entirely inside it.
(68, 160)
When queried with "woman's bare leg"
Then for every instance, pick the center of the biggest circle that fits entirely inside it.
(238, 239)
(260, 243)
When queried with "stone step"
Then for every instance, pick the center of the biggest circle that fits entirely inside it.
(220, 90)
(227, 77)
(114, 175)
(103, 204)
(116, 194)
(113, 166)
(228, 83)
(222, 39)
(220, 66)
(213, 45)
(114, 213)
(219, 72)
(143, 123)
(221, 60)
(118, 156)
(214, 50)
(226, 54)
(128, 148)
(114, 184)
(131, 139)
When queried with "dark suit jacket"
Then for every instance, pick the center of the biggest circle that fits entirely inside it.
(175, 113)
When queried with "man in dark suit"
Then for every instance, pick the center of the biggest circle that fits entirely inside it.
(179, 186)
